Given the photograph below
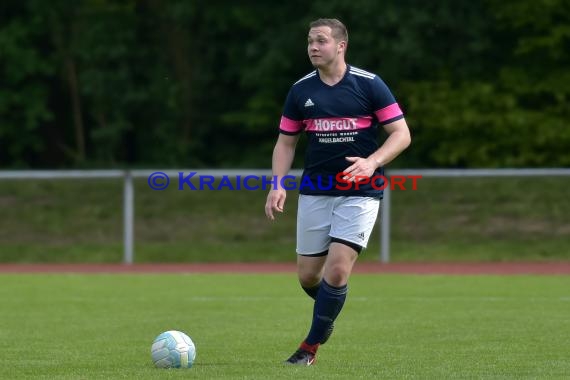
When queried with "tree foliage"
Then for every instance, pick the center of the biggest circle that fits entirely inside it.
(105, 83)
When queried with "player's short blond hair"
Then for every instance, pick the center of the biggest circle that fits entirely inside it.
(338, 29)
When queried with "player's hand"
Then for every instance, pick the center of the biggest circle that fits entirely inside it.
(361, 168)
(275, 202)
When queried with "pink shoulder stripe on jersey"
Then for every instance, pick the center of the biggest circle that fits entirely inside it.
(389, 112)
(288, 125)
(335, 124)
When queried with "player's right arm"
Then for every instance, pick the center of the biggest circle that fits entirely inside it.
(283, 155)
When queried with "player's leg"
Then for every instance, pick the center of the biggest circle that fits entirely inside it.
(313, 228)
(329, 301)
(340, 261)
(351, 226)
(310, 272)
(332, 292)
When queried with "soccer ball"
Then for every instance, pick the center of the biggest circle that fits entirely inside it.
(173, 349)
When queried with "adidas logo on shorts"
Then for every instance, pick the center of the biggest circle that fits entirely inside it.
(361, 236)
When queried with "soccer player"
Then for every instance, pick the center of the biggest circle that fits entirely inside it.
(340, 108)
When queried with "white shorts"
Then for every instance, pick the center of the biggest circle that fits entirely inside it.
(322, 219)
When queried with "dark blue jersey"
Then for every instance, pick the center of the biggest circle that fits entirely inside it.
(340, 121)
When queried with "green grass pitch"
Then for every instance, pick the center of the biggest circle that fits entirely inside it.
(98, 326)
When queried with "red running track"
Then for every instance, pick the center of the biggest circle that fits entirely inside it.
(498, 268)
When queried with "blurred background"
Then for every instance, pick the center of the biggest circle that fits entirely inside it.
(100, 84)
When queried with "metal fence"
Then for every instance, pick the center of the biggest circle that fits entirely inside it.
(384, 220)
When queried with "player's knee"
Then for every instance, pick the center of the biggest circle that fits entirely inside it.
(308, 279)
(337, 275)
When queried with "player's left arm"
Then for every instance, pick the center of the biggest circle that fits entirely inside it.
(398, 140)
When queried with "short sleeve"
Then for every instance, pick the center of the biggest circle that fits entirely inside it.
(386, 109)
(292, 120)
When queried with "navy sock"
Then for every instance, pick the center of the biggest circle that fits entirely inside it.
(312, 291)
(329, 303)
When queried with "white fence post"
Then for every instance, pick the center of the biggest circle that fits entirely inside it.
(128, 218)
(385, 226)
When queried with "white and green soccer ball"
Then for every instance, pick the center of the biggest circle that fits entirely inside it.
(173, 349)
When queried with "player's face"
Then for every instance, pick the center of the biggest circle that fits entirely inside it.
(323, 49)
